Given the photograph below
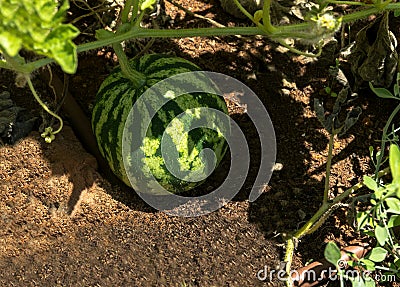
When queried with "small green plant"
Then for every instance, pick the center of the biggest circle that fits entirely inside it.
(336, 127)
(382, 263)
(382, 217)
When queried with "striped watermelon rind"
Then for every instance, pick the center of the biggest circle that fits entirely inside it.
(115, 100)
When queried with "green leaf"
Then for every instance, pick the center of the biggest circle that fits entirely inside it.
(352, 263)
(59, 16)
(377, 254)
(332, 253)
(396, 90)
(381, 234)
(64, 51)
(394, 221)
(371, 154)
(370, 233)
(147, 4)
(38, 26)
(369, 265)
(66, 56)
(382, 93)
(46, 12)
(320, 113)
(351, 119)
(394, 162)
(370, 183)
(10, 43)
(328, 90)
(397, 263)
(393, 204)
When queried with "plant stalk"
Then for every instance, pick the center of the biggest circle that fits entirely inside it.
(43, 105)
(340, 2)
(137, 78)
(126, 10)
(295, 31)
(135, 9)
(267, 17)
(308, 227)
(328, 169)
(243, 10)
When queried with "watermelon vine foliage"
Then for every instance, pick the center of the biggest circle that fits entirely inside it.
(38, 26)
(379, 221)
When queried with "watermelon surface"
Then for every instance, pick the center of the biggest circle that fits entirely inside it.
(175, 120)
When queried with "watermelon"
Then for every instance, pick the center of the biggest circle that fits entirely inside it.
(178, 120)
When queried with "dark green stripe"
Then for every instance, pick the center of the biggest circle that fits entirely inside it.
(157, 125)
(172, 68)
(108, 133)
(148, 60)
(211, 101)
(112, 87)
(187, 83)
(108, 100)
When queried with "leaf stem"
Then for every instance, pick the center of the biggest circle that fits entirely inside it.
(126, 10)
(13, 63)
(135, 9)
(139, 19)
(328, 168)
(294, 50)
(243, 10)
(267, 17)
(348, 3)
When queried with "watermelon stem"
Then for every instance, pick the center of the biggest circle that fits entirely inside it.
(138, 79)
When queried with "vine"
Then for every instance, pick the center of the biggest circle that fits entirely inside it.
(323, 25)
